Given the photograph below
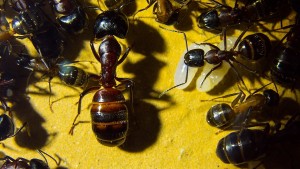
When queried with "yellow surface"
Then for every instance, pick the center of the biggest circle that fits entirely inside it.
(170, 132)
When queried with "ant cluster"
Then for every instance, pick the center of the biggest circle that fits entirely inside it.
(110, 108)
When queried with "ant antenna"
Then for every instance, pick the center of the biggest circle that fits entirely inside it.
(42, 153)
(187, 67)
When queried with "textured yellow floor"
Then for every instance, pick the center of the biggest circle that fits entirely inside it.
(170, 132)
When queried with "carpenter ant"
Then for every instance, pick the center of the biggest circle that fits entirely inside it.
(286, 63)
(7, 127)
(109, 111)
(165, 11)
(70, 15)
(255, 11)
(250, 144)
(252, 47)
(224, 116)
(20, 162)
(31, 22)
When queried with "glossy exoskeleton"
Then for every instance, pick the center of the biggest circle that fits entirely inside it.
(7, 126)
(164, 11)
(285, 66)
(243, 146)
(70, 15)
(223, 115)
(250, 144)
(70, 75)
(33, 23)
(23, 163)
(252, 47)
(108, 110)
(111, 22)
(224, 16)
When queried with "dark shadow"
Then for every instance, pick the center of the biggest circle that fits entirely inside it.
(22, 109)
(145, 125)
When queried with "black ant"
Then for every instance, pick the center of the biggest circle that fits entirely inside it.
(254, 11)
(7, 126)
(224, 116)
(246, 145)
(20, 162)
(286, 63)
(31, 22)
(164, 10)
(252, 47)
(70, 15)
(108, 110)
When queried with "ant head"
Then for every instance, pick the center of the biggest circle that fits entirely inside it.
(272, 97)
(38, 164)
(208, 20)
(111, 22)
(194, 58)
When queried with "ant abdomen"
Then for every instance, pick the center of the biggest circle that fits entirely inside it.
(72, 76)
(220, 115)
(7, 128)
(110, 117)
(242, 146)
(255, 46)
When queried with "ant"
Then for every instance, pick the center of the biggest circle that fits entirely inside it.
(252, 47)
(224, 116)
(7, 127)
(285, 66)
(165, 11)
(250, 144)
(20, 162)
(31, 22)
(70, 15)
(108, 110)
(254, 11)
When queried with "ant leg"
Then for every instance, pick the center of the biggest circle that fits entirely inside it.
(147, 7)
(94, 50)
(239, 38)
(124, 56)
(237, 73)
(209, 44)
(245, 67)
(184, 36)
(185, 80)
(20, 129)
(211, 70)
(89, 90)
